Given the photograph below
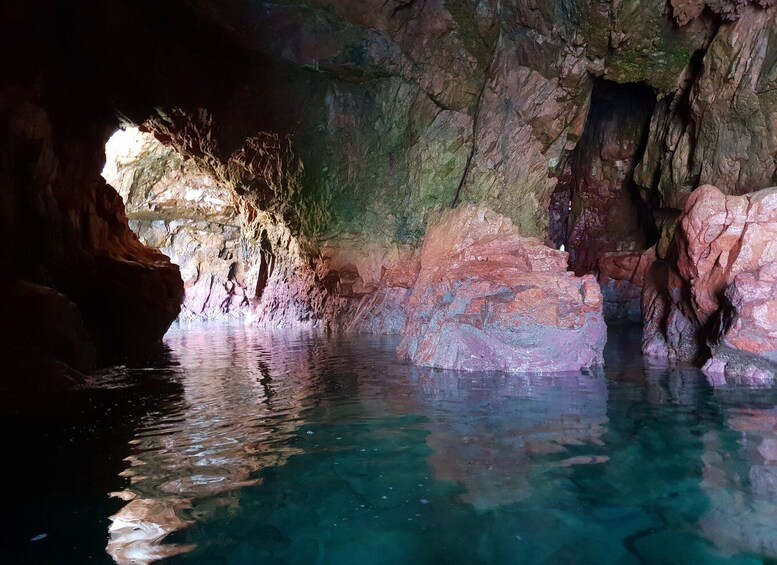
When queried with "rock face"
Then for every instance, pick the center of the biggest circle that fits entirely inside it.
(65, 246)
(487, 298)
(64, 233)
(719, 128)
(717, 288)
(397, 111)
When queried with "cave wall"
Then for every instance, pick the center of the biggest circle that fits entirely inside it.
(720, 127)
(434, 103)
(63, 235)
(401, 109)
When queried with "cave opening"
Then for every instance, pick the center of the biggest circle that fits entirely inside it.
(178, 207)
(596, 207)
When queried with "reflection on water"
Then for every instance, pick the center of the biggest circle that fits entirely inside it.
(300, 449)
(247, 396)
(239, 410)
(740, 474)
(492, 432)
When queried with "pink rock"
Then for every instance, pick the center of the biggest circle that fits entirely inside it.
(487, 298)
(714, 367)
(722, 288)
(753, 311)
(403, 275)
(630, 266)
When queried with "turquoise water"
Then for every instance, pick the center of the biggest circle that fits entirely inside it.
(242, 447)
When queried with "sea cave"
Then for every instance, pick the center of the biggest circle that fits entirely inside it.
(389, 281)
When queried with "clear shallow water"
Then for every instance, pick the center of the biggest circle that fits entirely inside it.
(242, 447)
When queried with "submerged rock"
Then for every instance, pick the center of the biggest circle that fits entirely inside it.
(487, 298)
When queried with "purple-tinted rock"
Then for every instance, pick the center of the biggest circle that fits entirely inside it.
(487, 298)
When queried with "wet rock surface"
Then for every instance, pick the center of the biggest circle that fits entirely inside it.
(605, 215)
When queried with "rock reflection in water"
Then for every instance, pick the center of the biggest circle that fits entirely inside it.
(287, 448)
(241, 404)
(740, 473)
(492, 432)
(244, 401)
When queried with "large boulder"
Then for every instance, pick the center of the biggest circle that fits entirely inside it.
(487, 298)
(718, 288)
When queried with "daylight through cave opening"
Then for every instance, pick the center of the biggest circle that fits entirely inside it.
(596, 207)
(175, 206)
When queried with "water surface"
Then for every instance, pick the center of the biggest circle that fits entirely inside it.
(243, 447)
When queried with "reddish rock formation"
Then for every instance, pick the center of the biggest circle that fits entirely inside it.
(685, 11)
(63, 228)
(718, 285)
(487, 298)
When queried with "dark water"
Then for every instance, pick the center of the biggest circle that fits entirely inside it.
(242, 447)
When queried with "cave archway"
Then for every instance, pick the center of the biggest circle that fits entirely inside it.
(175, 206)
(596, 210)
(596, 207)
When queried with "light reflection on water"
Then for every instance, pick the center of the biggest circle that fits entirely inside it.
(291, 448)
